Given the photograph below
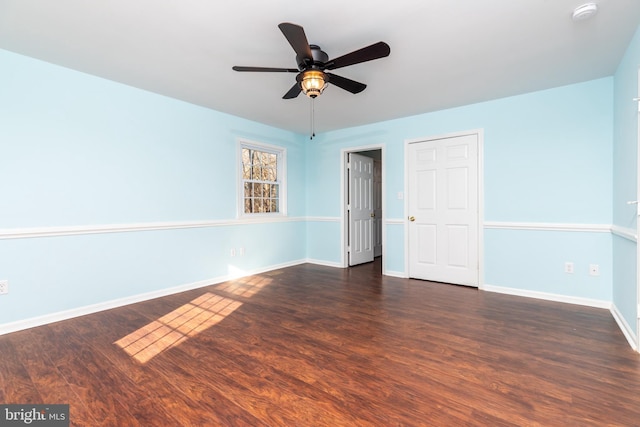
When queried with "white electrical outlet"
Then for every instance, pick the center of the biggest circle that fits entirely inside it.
(4, 287)
(594, 270)
(233, 251)
(568, 267)
(241, 251)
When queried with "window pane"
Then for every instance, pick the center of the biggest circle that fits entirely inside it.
(272, 160)
(255, 172)
(246, 166)
(259, 187)
(268, 174)
(272, 164)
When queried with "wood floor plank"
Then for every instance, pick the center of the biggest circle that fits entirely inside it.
(71, 357)
(259, 389)
(164, 395)
(317, 346)
(17, 386)
(52, 387)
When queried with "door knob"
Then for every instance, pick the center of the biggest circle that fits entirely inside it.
(373, 214)
(412, 218)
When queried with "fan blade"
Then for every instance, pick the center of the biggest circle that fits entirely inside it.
(266, 69)
(369, 53)
(297, 39)
(346, 84)
(293, 92)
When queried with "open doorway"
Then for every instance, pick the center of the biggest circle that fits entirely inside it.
(362, 206)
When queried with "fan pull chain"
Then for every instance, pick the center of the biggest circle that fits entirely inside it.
(312, 112)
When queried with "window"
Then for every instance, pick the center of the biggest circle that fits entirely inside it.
(262, 183)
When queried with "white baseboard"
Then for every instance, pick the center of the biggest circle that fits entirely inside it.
(548, 296)
(391, 273)
(325, 263)
(107, 305)
(399, 274)
(624, 327)
(627, 331)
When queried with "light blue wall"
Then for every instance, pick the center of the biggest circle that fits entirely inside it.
(323, 242)
(547, 158)
(533, 260)
(90, 151)
(76, 150)
(49, 275)
(625, 159)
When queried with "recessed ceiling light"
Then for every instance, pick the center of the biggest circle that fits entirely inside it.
(585, 11)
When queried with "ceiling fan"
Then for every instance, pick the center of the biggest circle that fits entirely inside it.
(313, 64)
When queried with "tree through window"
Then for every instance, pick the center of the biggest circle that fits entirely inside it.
(262, 179)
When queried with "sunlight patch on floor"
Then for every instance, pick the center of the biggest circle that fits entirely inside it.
(245, 287)
(176, 327)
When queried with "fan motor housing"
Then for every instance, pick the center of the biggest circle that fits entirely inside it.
(319, 56)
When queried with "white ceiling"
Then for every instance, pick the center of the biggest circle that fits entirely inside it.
(444, 53)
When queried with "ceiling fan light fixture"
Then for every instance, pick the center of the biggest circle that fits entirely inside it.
(313, 82)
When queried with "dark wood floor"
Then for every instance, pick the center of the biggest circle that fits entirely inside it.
(319, 346)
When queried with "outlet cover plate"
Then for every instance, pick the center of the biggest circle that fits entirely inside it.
(4, 287)
(568, 267)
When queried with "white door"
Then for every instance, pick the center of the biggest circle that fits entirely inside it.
(360, 206)
(377, 208)
(443, 210)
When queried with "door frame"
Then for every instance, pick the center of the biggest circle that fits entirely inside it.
(480, 136)
(344, 192)
(637, 206)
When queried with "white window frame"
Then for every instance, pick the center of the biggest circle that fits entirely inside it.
(281, 152)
